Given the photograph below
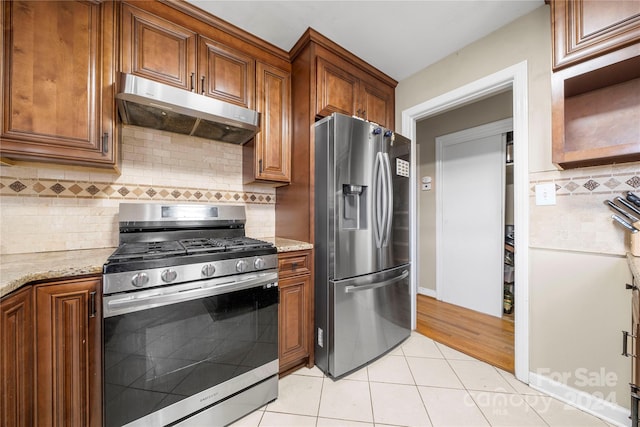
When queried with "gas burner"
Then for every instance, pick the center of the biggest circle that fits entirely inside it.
(147, 250)
(240, 243)
(195, 246)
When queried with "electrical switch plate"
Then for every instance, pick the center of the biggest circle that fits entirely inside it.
(546, 194)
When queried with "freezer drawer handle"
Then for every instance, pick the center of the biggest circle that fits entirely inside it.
(355, 288)
(625, 339)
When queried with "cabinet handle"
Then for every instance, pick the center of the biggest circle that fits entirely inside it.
(294, 265)
(260, 166)
(92, 304)
(632, 287)
(202, 84)
(625, 339)
(105, 143)
(364, 114)
(193, 82)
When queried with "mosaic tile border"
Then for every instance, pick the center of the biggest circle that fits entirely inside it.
(33, 187)
(612, 183)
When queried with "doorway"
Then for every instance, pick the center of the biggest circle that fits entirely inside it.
(470, 213)
(513, 78)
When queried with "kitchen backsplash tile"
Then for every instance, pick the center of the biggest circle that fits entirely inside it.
(580, 220)
(53, 207)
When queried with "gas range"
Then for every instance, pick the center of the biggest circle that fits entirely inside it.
(173, 244)
(190, 314)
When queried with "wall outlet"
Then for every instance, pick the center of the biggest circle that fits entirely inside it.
(546, 194)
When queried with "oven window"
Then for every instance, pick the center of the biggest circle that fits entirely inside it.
(156, 357)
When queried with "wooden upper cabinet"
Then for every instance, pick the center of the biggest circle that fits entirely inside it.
(58, 74)
(225, 73)
(595, 86)
(158, 49)
(378, 103)
(343, 88)
(273, 142)
(336, 90)
(584, 29)
(69, 353)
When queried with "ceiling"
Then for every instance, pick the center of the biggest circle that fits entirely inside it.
(397, 37)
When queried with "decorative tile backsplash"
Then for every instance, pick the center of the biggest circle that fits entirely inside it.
(35, 187)
(54, 207)
(580, 221)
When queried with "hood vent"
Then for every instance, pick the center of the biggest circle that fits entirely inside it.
(150, 104)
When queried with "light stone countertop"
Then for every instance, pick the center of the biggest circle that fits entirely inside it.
(287, 245)
(19, 269)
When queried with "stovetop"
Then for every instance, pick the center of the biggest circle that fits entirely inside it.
(149, 255)
(173, 248)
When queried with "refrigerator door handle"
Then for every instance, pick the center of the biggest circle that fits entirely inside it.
(389, 197)
(356, 288)
(378, 204)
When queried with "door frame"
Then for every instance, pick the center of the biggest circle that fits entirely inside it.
(515, 78)
(491, 129)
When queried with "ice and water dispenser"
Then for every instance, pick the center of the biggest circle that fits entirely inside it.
(354, 203)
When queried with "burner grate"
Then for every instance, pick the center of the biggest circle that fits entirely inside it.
(147, 250)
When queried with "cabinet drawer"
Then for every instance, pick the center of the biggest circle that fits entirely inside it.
(294, 263)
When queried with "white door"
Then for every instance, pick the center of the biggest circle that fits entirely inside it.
(470, 166)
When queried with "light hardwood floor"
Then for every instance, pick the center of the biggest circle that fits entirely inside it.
(484, 337)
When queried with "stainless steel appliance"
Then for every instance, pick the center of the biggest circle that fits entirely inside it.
(144, 102)
(362, 268)
(190, 318)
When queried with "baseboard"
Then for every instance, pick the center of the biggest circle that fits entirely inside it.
(610, 412)
(427, 292)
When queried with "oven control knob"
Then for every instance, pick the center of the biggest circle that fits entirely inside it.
(169, 275)
(241, 266)
(258, 264)
(208, 270)
(140, 279)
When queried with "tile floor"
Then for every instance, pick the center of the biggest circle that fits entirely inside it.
(420, 383)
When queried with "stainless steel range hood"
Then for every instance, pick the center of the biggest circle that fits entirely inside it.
(150, 104)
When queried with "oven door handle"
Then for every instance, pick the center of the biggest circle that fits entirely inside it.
(114, 305)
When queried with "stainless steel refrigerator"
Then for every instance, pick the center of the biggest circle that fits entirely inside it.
(362, 263)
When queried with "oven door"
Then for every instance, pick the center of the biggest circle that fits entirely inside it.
(170, 352)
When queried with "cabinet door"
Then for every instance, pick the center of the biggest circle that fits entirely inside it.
(377, 103)
(68, 356)
(336, 90)
(293, 316)
(273, 142)
(58, 73)
(16, 360)
(158, 49)
(225, 73)
(584, 29)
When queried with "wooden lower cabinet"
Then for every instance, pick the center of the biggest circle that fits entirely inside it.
(16, 360)
(57, 379)
(295, 315)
